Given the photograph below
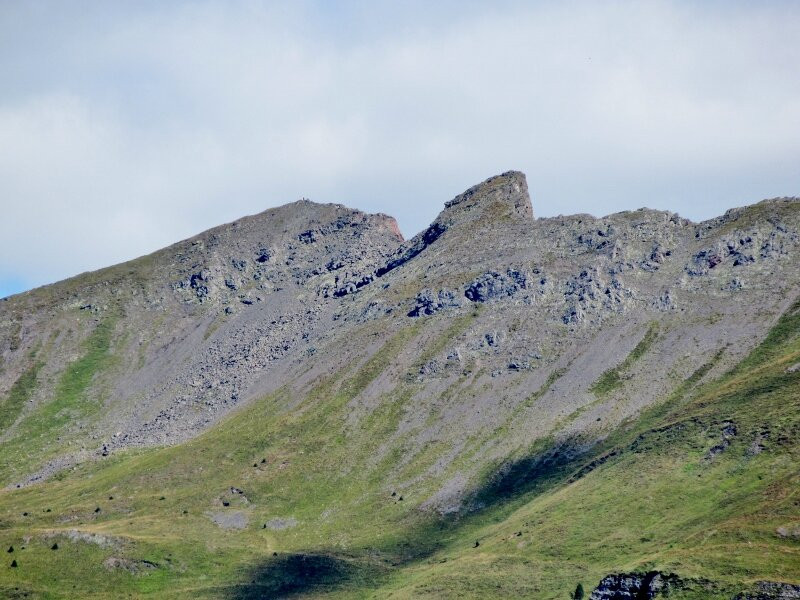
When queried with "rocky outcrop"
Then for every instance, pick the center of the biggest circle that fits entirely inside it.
(502, 196)
(748, 241)
(505, 195)
(728, 431)
(771, 590)
(592, 292)
(427, 302)
(495, 286)
(635, 586)
(413, 248)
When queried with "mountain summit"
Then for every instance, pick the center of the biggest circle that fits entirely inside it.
(503, 195)
(302, 402)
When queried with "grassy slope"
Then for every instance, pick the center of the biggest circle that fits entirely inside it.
(649, 496)
(612, 379)
(44, 432)
(18, 395)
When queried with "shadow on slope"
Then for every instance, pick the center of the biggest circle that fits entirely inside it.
(547, 464)
(298, 574)
(748, 394)
(322, 571)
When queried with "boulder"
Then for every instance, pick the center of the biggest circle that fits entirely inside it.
(771, 590)
(634, 586)
(427, 302)
(495, 286)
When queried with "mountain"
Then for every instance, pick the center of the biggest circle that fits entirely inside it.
(303, 403)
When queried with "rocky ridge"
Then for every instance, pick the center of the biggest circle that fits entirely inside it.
(548, 306)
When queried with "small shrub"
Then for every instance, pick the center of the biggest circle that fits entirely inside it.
(578, 594)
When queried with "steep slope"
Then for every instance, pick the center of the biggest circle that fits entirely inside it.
(703, 487)
(564, 391)
(155, 350)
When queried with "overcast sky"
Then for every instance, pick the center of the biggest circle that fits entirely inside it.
(126, 127)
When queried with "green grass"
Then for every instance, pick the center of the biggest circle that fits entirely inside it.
(43, 432)
(551, 379)
(70, 399)
(690, 382)
(16, 340)
(785, 330)
(457, 326)
(646, 497)
(18, 395)
(612, 379)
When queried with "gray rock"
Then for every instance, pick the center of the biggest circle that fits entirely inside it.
(771, 590)
(427, 302)
(728, 432)
(789, 532)
(279, 523)
(495, 286)
(130, 565)
(635, 586)
(234, 519)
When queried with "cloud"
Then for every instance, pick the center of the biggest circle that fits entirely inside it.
(124, 128)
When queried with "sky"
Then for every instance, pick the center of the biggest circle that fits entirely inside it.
(127, 126)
